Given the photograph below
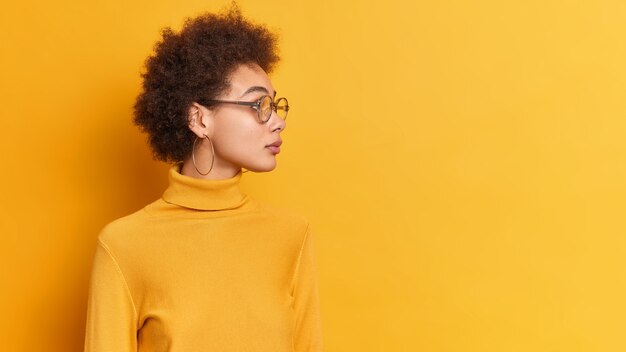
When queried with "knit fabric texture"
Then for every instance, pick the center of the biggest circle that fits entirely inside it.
(204, 268)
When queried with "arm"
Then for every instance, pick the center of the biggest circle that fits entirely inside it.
(111, 315)
(305, 293)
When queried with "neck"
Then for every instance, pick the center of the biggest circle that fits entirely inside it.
(220, 170)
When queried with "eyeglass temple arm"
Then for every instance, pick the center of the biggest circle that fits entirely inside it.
(246, 103)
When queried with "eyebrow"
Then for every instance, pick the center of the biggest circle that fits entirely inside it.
(257, 89)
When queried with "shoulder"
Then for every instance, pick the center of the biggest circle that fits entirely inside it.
(121, 231)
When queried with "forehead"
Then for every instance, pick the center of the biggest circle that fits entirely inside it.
(247, 76)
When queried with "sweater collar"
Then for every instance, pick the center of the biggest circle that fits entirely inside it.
(203, 194)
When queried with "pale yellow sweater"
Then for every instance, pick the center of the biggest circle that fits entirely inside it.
(204, 268)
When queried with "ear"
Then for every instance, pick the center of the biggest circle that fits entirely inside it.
(200, 120)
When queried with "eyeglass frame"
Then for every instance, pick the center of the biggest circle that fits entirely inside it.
(256, 105)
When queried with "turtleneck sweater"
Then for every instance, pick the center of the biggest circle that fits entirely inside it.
(204, 268)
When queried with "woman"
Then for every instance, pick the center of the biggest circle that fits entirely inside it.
(206, 267)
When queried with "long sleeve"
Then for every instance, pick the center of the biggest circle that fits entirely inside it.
(111, 315)
(308, 326)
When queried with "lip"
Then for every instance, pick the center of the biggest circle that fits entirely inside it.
(276, 144)
(273, 148)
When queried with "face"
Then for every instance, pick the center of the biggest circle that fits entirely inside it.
(239, 138)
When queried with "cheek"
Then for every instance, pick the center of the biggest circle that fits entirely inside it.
(239, 139)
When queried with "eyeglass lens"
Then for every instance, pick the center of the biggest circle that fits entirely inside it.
(281, 107)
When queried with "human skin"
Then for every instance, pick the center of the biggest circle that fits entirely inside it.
(239, 138)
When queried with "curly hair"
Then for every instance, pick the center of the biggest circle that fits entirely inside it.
(193, 65)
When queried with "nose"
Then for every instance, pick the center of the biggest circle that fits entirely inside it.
(276, 122)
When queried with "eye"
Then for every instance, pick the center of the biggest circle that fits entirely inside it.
(265, 103)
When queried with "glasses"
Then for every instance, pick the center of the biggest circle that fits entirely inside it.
(264, 106)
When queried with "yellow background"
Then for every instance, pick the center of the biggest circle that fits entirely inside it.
(463, 164)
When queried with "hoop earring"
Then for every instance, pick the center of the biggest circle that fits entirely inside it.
(193, 156)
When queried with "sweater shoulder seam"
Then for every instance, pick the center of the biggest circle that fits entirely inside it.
(119, 270)
(297, 268)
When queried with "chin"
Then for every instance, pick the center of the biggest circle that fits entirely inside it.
(260, 167)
